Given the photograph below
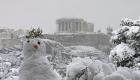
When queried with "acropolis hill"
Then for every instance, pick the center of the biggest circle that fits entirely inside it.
(72, 32)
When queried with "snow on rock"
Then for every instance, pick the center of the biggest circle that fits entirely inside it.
(12, 78)
(10, 60)
(108, 68)
(73, 69)
(115, 76)
(14, 71)
(85, 61)
(112, 66)
(85, 51)
(123, 73)
(126, 72)
(76, 66)
(136, 75)
(1, 74)
(96, 68)
(52, 44)
(99, 76)
(121, 52)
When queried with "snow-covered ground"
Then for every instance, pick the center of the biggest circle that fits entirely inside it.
(86, 51)
(11, 58)
(86, 62)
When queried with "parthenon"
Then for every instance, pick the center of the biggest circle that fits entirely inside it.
(70, 25)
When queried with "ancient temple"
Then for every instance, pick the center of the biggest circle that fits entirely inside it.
(70, 25)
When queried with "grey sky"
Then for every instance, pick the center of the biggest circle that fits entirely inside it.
(43, 13)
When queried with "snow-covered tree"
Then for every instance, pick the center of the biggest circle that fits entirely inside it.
(127, 40)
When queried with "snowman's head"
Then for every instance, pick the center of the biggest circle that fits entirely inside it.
(34, 47)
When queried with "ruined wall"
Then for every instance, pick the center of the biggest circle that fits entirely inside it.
(99, 41)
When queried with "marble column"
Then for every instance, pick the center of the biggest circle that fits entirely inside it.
(70, 26)
(76, 27)
(59, 27)
(62, 27)
(79, 27)
(67, 26)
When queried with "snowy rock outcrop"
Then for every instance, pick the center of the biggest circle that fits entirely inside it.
(95, 69)
(86, 51)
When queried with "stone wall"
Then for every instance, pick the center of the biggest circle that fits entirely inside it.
(99, 41)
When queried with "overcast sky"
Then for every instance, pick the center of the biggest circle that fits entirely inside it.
(43, 13)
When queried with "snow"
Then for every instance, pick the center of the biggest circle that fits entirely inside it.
(96, 68)
(125, 72)
(136, 75)
(137, 22)
(127, 20)
(115, 76)
(10, 60)
(126, 40)
(121, 52)
(99, 76)
(9, 63)
(133, 30)
(73, 69)
(138, 64)
(12, 78)
(85, 51)
(14, 57)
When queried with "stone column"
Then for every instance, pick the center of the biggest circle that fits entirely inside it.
(82, 30)
(70, 26)
(78, 26)
(74, 27)
(66, 26)
(59, 27)
(62, 27)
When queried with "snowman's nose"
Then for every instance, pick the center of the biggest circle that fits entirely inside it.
(35, 46)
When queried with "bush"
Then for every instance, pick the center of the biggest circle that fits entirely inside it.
(35, 33)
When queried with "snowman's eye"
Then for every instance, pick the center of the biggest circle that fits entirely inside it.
(28, 41)
(38, 42)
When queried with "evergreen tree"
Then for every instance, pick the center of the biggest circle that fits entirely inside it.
(126, 53)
